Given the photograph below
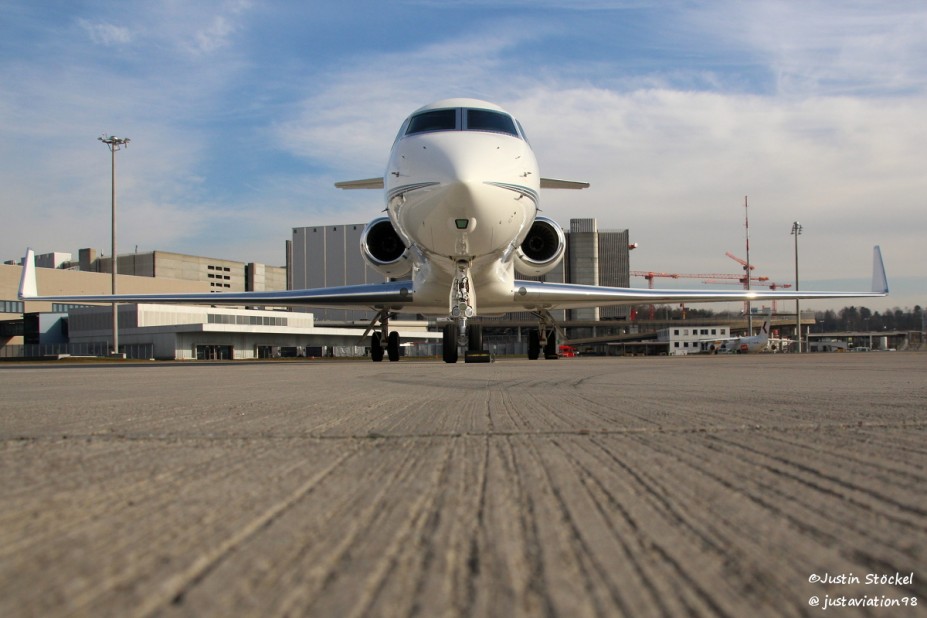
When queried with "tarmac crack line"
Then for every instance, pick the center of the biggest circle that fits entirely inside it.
(425, 516)
(178, 586)
(721, 429)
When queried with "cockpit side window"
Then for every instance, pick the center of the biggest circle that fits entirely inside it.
(435, 120)
(488, 120)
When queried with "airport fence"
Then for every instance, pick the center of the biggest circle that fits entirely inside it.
(96, 349)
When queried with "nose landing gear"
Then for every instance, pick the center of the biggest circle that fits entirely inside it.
(458, 334)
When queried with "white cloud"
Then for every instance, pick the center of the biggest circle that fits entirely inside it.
(104, 33)
(815, 47)
(837, 144)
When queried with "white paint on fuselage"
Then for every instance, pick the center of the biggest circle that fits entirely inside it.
(466, 169)
(490, 180)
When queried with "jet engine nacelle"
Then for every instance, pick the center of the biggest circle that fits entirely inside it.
(383, 249)
(542, 248)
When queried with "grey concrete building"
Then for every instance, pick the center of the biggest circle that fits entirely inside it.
(326, 256)
(221, 275)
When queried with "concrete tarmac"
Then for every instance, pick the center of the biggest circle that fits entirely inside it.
(764, 485)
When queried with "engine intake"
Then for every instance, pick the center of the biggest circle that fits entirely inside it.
(542, 248)
(384, 250)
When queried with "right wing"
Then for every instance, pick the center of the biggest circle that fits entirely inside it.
(536, 295)
(388, 295)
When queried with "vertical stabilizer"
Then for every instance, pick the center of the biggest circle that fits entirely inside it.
(27, 286)
(763, 335)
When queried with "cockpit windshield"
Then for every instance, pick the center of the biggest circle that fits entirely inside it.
(462, 119)
(436, 120)
(488, 120)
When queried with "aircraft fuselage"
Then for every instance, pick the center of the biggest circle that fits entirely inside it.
(462, 189)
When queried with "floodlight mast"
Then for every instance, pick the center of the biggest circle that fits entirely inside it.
(796, 232)
(114, 143)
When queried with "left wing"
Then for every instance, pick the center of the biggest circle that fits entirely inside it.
(389, 295)
(535, 295)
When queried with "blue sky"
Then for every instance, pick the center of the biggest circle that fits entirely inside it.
(242, 114)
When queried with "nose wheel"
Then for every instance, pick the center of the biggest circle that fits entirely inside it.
(472, 344)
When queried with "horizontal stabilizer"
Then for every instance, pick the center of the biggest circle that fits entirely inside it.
(553, 183)
(366, 183)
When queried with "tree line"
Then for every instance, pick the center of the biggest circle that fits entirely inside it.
(851, 318)
(862, 319)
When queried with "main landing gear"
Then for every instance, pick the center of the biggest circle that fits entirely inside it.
(544, 338)
(383, 341)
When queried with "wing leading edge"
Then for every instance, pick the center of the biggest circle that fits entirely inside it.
(392, 294)
(537, 295)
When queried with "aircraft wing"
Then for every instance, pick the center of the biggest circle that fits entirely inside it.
(392, 295)
(535, 295)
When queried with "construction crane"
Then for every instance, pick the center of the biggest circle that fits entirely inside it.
(763, 281)
(748, 267)
(651, 275)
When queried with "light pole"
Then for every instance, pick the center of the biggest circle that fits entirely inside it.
(114, 143)
(796, 232)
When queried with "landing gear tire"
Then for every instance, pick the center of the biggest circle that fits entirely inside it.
(475, 338)
(392, 346)
(534, 345)
(449, 342)
(376, 348)
(550, 350)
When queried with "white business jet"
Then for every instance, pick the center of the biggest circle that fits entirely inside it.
(462, 191)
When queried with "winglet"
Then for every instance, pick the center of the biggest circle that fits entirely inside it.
(879, 280)
(27, 286)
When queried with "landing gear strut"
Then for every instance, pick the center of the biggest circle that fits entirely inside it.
(457, 333)
(544, 338)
